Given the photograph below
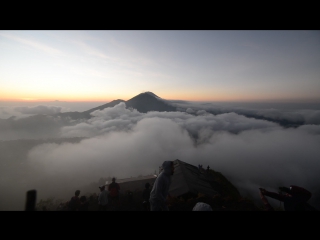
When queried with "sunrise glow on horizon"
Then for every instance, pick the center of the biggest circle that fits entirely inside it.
(101, 66)
(245, 103)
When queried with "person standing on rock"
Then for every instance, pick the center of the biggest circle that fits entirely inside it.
(160, 189)
(74, 202)
(114, 191)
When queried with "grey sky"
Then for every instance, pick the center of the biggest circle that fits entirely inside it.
(211, 65)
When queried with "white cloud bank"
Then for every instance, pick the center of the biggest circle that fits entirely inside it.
(251, 153)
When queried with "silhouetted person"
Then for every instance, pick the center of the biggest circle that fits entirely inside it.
(146, 196)
(160, 189)
(208, 168)
(103, 199)
(74, 202)
(294, 199)
(114, 191)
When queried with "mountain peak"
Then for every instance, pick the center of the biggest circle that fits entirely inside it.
(148, 101)
(151, 94)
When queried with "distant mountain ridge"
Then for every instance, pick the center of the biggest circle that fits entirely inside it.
(148, 101)
(143, 102)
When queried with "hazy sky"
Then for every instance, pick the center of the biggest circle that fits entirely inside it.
(212, 65)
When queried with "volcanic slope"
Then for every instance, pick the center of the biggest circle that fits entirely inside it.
(144, 102)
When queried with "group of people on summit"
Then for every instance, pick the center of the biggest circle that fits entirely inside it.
(105, 198)
(112, 194)
(156, 198)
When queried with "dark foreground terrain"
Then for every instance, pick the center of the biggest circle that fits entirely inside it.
(228, 199)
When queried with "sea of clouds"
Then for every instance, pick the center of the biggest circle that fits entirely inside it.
(123, 142)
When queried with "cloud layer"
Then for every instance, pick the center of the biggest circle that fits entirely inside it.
(26, 111)
(120, 142)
